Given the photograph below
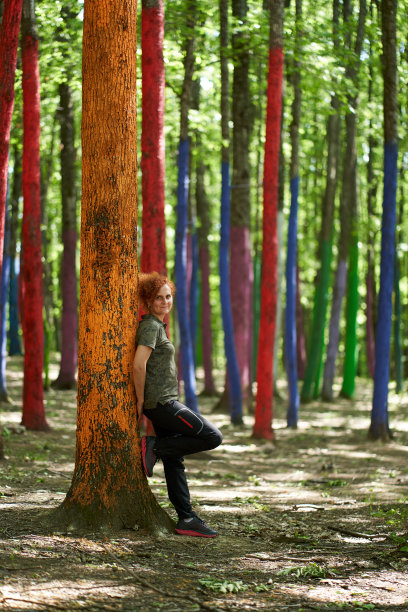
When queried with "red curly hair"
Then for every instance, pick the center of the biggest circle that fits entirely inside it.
(149, 286)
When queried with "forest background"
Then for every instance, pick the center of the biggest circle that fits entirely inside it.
(330, 178)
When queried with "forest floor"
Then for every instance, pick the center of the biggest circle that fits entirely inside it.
(316, 521)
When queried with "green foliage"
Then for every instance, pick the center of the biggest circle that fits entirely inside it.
(313, 570)
(224, 586)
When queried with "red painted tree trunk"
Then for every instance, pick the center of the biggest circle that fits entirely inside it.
(264, 398)
(33, 405)
(152, 164)
(9, 31)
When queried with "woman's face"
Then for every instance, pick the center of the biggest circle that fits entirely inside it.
(162, 303)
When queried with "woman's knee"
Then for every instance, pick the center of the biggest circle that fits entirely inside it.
(215, 438)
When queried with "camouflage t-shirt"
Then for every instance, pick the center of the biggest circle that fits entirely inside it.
(161, 372)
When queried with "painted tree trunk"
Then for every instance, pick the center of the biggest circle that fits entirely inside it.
(264, 397)
(109, 487)
(186, 348)
(300, 330)
(69, 349)
(9, 33)
(370, 336)
(203, 214)
(5, 277)
(348, 218)
(241, 269)
(290, 311)
(379, 427)
(311, 383)
(33, 404)
(351, 352)
(14, 320)
(233, 388)
(153, 148)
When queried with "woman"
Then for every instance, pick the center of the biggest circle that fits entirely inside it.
(179, 430)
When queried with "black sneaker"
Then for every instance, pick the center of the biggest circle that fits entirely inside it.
(194, 526)
(149, 457)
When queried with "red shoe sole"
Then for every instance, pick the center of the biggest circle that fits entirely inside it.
(189, 532)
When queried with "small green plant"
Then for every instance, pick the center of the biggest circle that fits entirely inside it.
(255, 480)
(313, 570)
(224, 586)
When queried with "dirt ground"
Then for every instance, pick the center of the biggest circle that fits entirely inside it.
(317, 521)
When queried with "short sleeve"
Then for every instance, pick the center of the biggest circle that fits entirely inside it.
(147, 336)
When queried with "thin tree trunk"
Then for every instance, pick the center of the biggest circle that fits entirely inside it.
(379, 427)
(187, 358)
(348, 234)
(300, 330)
(33, 329)
(203, 213)
(290, 311)
(153, 220)
(264, 399)
(9, 32)
(109, 487)
(241, 269)
(234, 390)
(69, 349)
(5, 276)
(14, 319)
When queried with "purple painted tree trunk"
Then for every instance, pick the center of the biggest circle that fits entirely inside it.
(69, 348)
(241, 304)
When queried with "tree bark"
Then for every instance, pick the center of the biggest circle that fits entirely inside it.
(264, 398)
(241, 269)
(69, 323)
(109, 487)
(186, 349)
(203, 214)
(14, 319)
(33, 404)
(152, 163)
(290, 311)
(379, 427)
(9, 32)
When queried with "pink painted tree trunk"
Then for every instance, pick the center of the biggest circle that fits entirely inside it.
(33, 404)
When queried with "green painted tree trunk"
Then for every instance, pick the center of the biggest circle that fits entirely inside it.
(351, 353)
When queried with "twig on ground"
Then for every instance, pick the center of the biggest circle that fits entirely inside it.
(281, 558)
(161, 591)
(34, 603)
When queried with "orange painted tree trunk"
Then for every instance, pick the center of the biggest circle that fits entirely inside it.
(33, 403)
(109, 487)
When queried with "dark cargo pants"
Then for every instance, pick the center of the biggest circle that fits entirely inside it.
(180, 432)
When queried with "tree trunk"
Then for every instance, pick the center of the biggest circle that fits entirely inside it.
(379, 427)
(152, 163)
(33, 329)
(69, 323)
(241, 269)
(348, 232)
(9, 32)
(203, 214)
(109, 487)
(290, 311)
(14, 320)
(186, 349)
(233, 388)
(264, 397)
(5, 276)
(300, 330)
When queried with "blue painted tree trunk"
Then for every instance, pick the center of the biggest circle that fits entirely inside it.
(229, 341)
(379, 427)
(187, 361)
(14, 319)
(290, 312)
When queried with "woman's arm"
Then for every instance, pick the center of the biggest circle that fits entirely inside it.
(139, 374)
